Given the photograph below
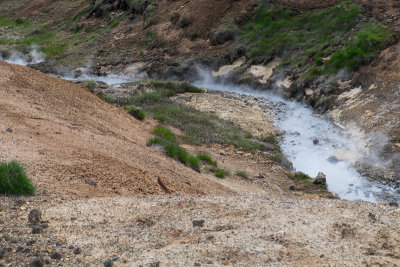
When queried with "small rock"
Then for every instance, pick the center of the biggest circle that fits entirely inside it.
(320, 179)
(210, 237)
(333, 159)
(393, 204)
(56, 255)
(225, 262)
(9, 130)
(315, 141)
(70, 247)
(74, 218)
(108, 263)
(155, 264)
(197, 264)
(30, 242)
(292, 187)
(77, 251)
(19, 202)
(37, 229)
(90, 182)
(38, 262)
(198, 223)
(4, 252)
(35, 216)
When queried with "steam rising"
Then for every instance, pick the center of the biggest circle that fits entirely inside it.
(337, 150)
(35, 56)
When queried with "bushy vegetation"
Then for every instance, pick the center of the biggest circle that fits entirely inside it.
(220, 173)
(315, 35)
(207, 158)
(136, 112)
(14, 181)
(242, 174)
(167, 139)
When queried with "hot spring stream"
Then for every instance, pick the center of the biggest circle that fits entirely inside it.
(301, 126)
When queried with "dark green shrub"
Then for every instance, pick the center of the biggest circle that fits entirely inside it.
(206, 158)
(169, 142)
(19, 21)
(220, 173)
(184, 22)
(13, 180)
(242, 174)
(136, 112)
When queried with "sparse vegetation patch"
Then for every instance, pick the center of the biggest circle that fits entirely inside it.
(14, 181)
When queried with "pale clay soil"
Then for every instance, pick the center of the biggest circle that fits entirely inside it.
(63, 134)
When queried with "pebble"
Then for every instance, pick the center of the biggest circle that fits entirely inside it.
(198, 223)
(35, 216)
(108, 263)
(38, 262)
(56, 255)
(155, 264)
(77, 251)
(36, 229)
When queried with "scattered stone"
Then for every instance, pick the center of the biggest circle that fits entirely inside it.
(333, 159)
(35, 216)
(198, 223)
(372, 217)
(9, 130)
(197, 264)
(155, 264)
(315, 141)
(226, 262)
(210, 237)
(70, 247)
(74, 218)
(56, 255)
(30, 242)
(38, 262)
(19, 202)
(393, 204)
(209, 262)
(292, 187)
(37, 229)
(320, 179)
(90, 182)
(77, 251)
(108, 263)
(260, 175)
(4, 252)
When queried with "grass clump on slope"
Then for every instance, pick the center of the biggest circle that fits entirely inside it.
(167, 139)
(14, 181)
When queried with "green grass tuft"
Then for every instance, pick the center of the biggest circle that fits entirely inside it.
(167, 139)
(136, 112)
(13, 180)
(242, 174)
(206, 158)
(220, 173)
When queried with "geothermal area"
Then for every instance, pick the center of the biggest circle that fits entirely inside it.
(199, 133)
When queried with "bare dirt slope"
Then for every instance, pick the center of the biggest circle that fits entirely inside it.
(65, 135)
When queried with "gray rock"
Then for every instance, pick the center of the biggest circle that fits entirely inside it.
(38, 262)
(198, 223)
(37, 229)
(9, 130)
(77, 251)
(108, 263)
(35, 216)
(90, 182)
(320, 179)
(333, 159)
(155, 264)
(316, 141)
(56, 255)
(292, 187)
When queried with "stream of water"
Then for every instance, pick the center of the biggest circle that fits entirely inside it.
(301, 127)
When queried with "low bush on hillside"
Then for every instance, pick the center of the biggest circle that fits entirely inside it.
(242, 174)
(207, 158)
(167, 139)
(14, 181)
(136, 112)
(220, 173)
